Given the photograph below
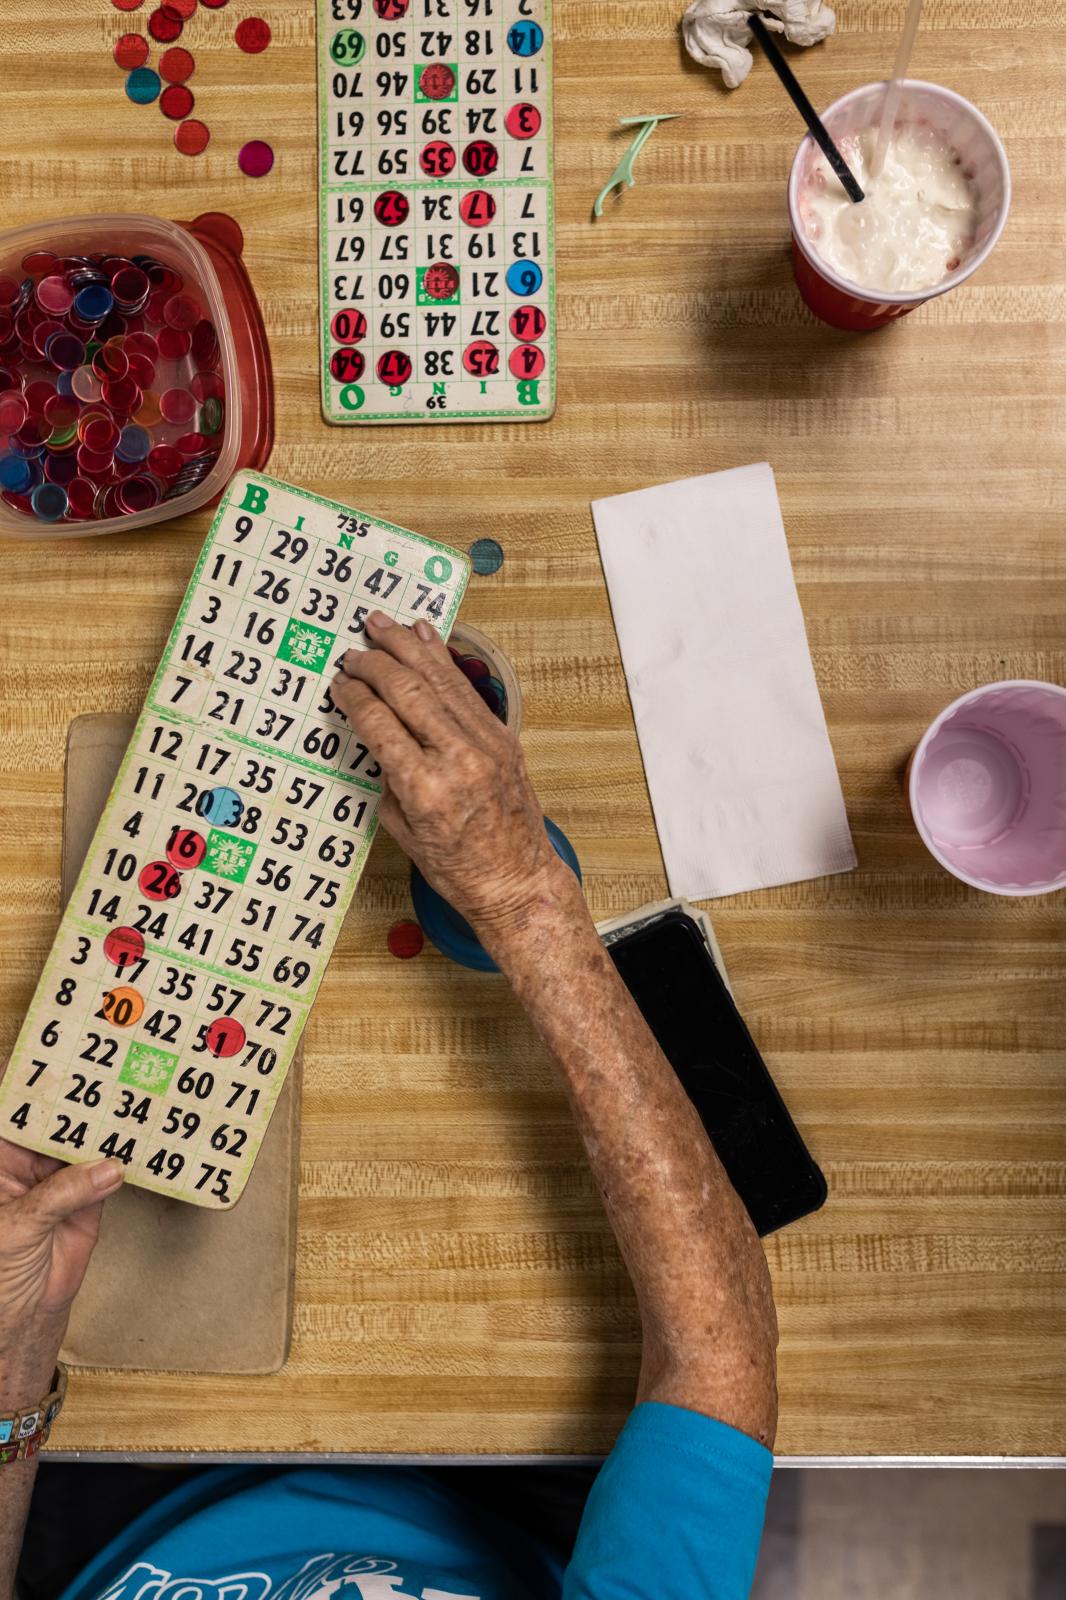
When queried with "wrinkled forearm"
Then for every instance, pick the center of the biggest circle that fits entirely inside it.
(27, 1362)
(697, 1266)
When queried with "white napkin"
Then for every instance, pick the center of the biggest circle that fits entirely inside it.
(739, 766)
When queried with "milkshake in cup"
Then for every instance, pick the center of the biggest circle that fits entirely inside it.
(929, 219)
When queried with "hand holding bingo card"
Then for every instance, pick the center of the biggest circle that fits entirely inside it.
(436, 210)
(218, 878)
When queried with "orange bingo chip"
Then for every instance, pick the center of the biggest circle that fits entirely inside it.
(149, 413)
(122, 1007)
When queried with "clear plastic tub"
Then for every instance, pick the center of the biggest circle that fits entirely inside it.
(470, 641)
(207, 254)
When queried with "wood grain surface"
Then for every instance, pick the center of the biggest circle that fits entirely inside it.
(458, 1289)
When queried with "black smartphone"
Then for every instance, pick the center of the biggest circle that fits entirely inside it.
(671, 974)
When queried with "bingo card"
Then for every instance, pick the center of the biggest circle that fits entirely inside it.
(217, 880)
(436, 220)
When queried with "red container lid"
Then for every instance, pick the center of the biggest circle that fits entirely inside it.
(221, 236)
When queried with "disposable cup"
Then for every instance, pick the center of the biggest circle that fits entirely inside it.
(843, 304)
(987, 787)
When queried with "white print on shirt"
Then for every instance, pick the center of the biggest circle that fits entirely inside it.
(145, 1582)
(323, 1577)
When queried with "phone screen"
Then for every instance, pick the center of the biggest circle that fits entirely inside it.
(669, 971)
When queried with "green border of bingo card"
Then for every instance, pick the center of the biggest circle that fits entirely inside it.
(337, 416)
(136, 1175)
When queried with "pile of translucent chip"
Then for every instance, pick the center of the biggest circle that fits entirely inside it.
(111, 397)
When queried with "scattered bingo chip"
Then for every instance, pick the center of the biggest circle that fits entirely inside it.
(436, 211)
(252, 35)
(218, 879)
(111, 395)
(255, 158)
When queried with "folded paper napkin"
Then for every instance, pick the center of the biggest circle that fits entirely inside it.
(739, 766)
(717, 34)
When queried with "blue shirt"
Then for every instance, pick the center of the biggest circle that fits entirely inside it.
(676, 1513)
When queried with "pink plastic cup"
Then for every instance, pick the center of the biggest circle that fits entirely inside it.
(850, 305)
(987, 787)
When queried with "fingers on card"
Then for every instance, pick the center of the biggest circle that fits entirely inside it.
(436, 210)
(217, 881)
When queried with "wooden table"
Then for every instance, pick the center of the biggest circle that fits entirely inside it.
(458, 1290)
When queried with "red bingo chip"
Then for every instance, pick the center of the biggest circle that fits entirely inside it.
(164, 26)
(204, 343)
(207, 386)
(528, 322)
(527, 361)
(394, 367)
(176, 65)
(347, 366)
(405, 940)
(177, 405)
(477, 208)
(123, 946)
(481, 358)
(441, 280)
(122, 396)
(131, 51)
(159, 881)
(391, 208)
(174, 342)
(436, 81)
(192, 137)
(480, 158)
(176, 101)
(81, 499)
(522, 121)
(181, 311)
(437, 158)
(182, 9)
(142, 371)
(252, 35)
(186, 849)
(225, 1037)
(348, 327)
(391, 10)
(165, 461)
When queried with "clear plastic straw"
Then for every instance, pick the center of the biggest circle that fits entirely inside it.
(895, 88)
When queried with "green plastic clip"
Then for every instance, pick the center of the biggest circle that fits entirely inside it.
(623, 172)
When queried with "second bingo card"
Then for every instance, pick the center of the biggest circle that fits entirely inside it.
(215, 886)
(436, 227)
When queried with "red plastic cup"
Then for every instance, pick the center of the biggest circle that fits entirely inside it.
(859, 308)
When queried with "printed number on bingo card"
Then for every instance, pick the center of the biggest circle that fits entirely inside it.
(215, 886)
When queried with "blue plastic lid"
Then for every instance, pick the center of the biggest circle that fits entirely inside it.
(451, 933)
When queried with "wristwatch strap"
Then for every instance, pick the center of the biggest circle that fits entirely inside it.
(23, 1434)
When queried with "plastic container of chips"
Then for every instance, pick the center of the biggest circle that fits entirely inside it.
(223, 423)
(497, 683)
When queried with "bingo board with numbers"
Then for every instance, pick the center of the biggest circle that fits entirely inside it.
(216, 883)
(436, 223)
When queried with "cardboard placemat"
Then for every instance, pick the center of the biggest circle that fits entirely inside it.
(173, 1287)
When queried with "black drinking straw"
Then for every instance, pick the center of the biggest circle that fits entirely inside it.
(804, 107)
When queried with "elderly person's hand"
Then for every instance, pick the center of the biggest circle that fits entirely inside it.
(458, 799)
(49, 1221)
